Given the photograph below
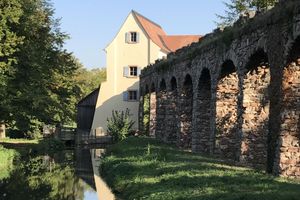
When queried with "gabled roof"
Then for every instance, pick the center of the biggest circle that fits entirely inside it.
(90, 102)
(160, 38)
(153, 30)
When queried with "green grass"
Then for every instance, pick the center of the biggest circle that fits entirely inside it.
(18, 141)
(7, 157)
(143, 168)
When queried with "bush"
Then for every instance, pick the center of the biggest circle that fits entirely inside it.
(119, 125)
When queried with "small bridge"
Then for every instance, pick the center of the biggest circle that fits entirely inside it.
(82, 137)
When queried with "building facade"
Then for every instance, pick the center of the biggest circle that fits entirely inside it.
(138, 43)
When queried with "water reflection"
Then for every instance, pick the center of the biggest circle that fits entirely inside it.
(103, 191)
(66, 175)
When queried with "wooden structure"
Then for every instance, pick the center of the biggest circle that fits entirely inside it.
(86, 110)
(86, 138)
(66, 134)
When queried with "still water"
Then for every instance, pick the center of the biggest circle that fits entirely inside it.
(70, 174)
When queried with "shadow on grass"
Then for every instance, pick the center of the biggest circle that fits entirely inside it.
(143, 168)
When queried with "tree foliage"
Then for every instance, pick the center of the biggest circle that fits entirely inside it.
(37, 77)
(236, 8)
(88, 80)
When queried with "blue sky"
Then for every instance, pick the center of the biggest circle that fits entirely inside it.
(92, 24)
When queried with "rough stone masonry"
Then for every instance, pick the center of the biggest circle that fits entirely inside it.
(235, 93)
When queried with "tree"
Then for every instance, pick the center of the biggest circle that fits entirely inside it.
(236, 8)
(40, 85)
(88, 80)
(10, 13)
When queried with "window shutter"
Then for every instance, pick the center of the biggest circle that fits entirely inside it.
(126, 71)
(126, 37)
(125, 96)
(138, 71)
(137, 37)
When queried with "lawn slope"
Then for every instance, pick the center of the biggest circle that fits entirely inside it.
(144, 168)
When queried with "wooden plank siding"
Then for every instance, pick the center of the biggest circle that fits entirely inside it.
(86, 110)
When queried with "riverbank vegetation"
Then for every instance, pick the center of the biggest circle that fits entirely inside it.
(144, 168)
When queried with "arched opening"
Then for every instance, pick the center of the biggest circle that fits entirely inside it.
(256, 104)
(173, 83)
(152, 122)
(171, 118)
(289, 163)
(162, 85)
(227, 140)
(146, 111)
(202, 140)
(161, 131)
(186, 110)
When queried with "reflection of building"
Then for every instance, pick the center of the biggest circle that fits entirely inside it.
(84, 167)
(138, 43)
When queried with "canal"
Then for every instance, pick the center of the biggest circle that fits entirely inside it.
(68, 175)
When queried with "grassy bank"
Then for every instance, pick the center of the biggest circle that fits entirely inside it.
(143, 168)
(37, 146)
(7, 157)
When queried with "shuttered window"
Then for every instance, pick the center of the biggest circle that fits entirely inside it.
(131, 71)
(130, 95)
(132, 37)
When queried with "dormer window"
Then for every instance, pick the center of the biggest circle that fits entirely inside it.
(132, 37)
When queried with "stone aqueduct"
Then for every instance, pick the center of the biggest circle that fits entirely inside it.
(236, 93)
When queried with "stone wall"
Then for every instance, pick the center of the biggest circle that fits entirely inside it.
(227, 139)
(237, 92)
(290, 124)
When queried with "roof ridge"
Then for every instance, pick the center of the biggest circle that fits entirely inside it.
(182, 35)
(136, 13)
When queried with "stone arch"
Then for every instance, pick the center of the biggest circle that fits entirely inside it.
(256, 104)
(227, 140)
(185, 112)
(290, 114)
(171, 117)
(203, 113)
(161, 103)
(152, 117)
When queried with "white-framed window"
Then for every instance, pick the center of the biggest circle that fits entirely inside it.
(130, 95)
(131, 71)
(132, 37)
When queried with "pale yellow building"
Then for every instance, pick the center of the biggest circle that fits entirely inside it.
(138, 43)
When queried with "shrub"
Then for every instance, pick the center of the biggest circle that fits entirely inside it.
(119, 125)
